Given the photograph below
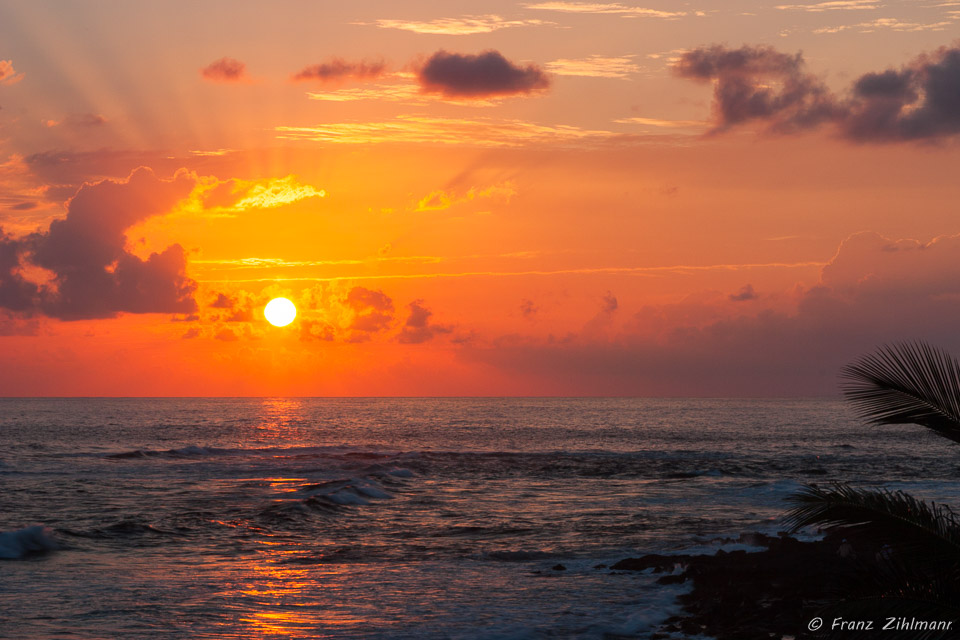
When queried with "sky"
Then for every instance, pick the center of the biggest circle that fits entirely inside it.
(554, 198)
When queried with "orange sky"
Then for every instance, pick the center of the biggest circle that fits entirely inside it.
(507, 198)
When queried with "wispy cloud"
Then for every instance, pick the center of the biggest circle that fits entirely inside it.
(832, 5)
(893, 24)
(394, 92)
(609, 8)
(336, 70)
(440, 199)
(665, 124)
(639, 271)
(484, 132)
(595, 66)
(467, 25)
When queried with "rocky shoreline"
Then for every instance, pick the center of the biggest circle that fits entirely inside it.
(760, 595)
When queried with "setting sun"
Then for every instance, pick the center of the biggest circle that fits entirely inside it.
(280, 312)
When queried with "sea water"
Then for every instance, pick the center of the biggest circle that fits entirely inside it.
(401, 518)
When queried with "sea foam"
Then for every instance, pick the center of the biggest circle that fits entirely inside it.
(23, 542)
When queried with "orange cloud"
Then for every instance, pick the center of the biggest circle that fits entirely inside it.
(466, 25)
(8, 74)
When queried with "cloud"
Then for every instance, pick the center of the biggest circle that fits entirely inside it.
(875, 290)
(610, 304)
(8, 75)
(919, 101)
(609, 8)
(79, 120)
(417, 328)
(316, 330)
(225, 70)
(466, 25)
(394, 92)
(487, 74)
(238, 308)
(16, 293)
(226, 335)
(759, 83)
(746, 293)
(338, 70)
(480, 132)
(228, 197)
(833, 5)
(594, 66)
(439, 200)
(528, 309)
(93, 274)
(372, 313)
(892, 24)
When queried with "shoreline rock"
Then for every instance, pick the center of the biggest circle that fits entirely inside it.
(759, 595)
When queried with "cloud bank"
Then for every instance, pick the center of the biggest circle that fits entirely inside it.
(93, 274)
(919, 101)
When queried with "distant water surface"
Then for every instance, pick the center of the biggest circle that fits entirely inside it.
(400, 518)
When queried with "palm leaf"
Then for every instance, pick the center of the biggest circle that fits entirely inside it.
(928, 534)
(907, 383)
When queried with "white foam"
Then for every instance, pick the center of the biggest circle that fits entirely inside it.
(22, 542)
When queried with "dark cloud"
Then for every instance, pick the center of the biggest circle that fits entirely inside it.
(338, 70)
(225, 70)
(759, 83)
(746, 293)
(23, 206)
(487, 74)
(528, 308)
(190, 334)
(418, 328)
(373, 312)
(238, 309)
(94, 276)
(920, 101)
(16, 293)
(223, 301)
(609, 304)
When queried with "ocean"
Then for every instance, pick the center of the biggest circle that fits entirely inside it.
(402, 518)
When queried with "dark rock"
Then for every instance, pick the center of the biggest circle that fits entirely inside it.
(558, 567)
(756, 596)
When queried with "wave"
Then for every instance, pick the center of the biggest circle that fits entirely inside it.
(27, 541)
(197, 451)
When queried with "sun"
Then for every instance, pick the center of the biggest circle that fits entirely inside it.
(280, 312)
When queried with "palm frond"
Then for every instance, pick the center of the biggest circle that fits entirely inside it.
(907, 383)
(927, 533)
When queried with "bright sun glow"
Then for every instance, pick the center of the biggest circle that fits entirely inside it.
(280, 312)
